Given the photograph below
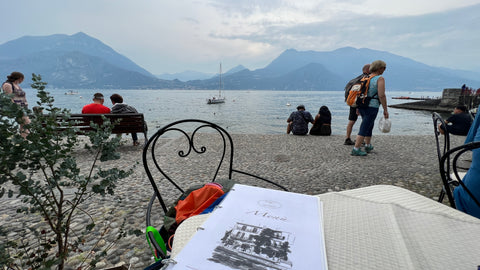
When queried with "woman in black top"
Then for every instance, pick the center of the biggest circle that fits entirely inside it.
(322, 123)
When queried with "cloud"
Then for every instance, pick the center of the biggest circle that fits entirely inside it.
(421, 36)
(172, 36)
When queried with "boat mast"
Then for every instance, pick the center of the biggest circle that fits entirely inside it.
(220, 77)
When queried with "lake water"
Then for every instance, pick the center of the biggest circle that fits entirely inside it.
(247, 112)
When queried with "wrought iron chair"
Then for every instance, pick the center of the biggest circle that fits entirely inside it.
(189, 150)
(443, 146)
(452, 180)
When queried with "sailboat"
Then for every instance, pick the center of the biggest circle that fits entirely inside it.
(219, 98)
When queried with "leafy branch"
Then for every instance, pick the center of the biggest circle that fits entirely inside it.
(42, 171)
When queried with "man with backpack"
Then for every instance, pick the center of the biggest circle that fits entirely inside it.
(353, 115)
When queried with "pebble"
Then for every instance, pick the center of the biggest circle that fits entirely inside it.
(303, 164)
(134, 260)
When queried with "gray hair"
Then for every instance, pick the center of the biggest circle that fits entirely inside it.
(377, 65)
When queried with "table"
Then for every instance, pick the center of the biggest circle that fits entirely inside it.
(386, 227)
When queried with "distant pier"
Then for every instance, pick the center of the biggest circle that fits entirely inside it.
(415, 98)
(451, 97)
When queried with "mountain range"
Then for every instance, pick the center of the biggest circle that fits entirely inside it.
(79, 61)
(190, 75)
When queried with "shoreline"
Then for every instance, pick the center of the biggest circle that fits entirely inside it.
(303, 164)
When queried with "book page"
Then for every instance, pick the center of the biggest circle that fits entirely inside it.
(257, 228)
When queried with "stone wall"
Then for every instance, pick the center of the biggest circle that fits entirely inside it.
(450, 97)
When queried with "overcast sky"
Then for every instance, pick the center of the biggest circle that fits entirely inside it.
(169, 36)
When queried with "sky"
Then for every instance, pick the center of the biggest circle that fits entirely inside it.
(171, 36)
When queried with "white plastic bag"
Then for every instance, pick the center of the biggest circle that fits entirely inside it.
(384, 125)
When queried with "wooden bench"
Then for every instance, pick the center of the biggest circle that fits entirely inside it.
(128, 122)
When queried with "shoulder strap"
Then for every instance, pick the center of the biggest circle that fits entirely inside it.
(366, 81)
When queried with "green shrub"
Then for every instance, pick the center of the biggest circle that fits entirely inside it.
(39, 170)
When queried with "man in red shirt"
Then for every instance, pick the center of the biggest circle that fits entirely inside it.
(96, 106)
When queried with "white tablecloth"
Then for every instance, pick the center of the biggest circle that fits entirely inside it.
(386, 227)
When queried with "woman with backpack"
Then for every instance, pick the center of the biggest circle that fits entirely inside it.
(322, 124)
(376, 97)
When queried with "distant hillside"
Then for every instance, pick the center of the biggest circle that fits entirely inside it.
(311, 70)
(76, 61)
(77, 70)
(235, 69)
(80, 61)
(80, 42)
(191, 75)
(185, 76)
(401, 74)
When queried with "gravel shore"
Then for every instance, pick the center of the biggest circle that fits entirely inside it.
(303, 164)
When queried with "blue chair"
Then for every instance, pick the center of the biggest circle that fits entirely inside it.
(452, 180)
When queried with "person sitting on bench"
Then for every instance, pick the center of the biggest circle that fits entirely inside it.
(120, 107)
(97, 105)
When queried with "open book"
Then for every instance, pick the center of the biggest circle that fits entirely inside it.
(257, 228)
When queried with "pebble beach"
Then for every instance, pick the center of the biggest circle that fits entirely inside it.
(303, 164)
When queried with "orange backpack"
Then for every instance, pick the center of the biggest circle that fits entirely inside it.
(197, 201)
(358, 92)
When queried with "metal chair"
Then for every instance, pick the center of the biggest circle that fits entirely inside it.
(190, 151)
(443, 146)
(452, 180)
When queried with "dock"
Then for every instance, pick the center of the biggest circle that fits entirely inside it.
(451, 97)
(415, 98)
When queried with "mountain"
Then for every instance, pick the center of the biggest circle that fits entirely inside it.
(186, 76)
(346, 63)
(235, 69)
(76, 61)
(191, 75)
(80, 42)
(304, 78)
(312, 70)
(80, 61)
(77, 70)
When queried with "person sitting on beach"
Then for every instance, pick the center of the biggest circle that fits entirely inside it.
(96, 106)
(298, 121)
(463, 201)
(322, 124)
(459, 123)
(120, 107)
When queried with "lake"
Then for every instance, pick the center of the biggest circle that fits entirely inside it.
(247, 112)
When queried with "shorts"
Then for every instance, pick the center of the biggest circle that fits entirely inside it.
(353, 114)
(368, 121)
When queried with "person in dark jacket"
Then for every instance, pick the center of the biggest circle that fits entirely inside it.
(321, 125)
(298, 121)
(120, 107)
(459, 123)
